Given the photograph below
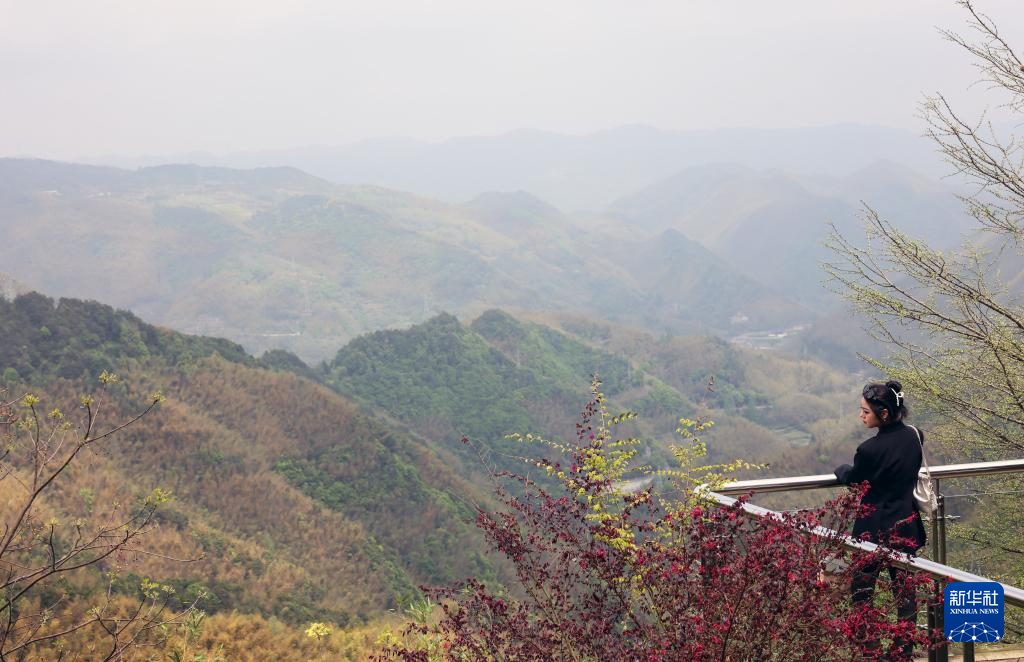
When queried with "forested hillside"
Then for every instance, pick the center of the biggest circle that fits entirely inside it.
(796, 414)
(486, 380)
(330, 492)
(500, 374)
(298, 505)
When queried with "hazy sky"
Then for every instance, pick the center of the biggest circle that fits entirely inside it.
(93, 77)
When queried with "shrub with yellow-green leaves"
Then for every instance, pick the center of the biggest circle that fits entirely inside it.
(608, 574)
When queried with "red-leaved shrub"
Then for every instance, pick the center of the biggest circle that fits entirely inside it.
(607, 575)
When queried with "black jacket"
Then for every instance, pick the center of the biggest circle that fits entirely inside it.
(889, 462)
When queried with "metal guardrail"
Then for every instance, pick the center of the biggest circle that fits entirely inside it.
(1012, 595)
(829, 480)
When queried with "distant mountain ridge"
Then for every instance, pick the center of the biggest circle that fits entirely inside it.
(274, 258)
(581, 172)
(58, 177)
(771, 225)
(277, 258)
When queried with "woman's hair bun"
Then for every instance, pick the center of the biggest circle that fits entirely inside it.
(894, 385)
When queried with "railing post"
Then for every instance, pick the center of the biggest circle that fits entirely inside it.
(968, 646)
(933, 604)
(933, 654)
(942, 524)
(939, 552)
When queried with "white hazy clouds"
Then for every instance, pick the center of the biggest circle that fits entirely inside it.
(151, 76)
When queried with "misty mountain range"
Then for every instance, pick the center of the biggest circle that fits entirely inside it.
(274, 257)
(771, 225)
(578, 172)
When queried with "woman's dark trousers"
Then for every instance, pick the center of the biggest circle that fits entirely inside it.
(863, 589)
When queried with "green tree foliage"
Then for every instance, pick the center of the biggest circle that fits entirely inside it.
(436, 369)
(552, 357)
(446, 380)
(73, 339)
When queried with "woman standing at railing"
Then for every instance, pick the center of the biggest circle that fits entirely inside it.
(889, 462)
